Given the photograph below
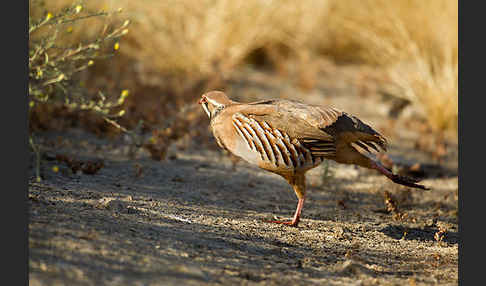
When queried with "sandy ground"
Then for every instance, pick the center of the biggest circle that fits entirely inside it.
(197, 219)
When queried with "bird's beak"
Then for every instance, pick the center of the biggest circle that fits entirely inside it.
(204, 104)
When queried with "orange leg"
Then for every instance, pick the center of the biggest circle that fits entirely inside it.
(297, 181)
(296, 219)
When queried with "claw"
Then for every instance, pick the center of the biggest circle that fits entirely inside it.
(289, 223)
(295, 221)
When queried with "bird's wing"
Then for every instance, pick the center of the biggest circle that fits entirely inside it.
(298, 121)
(318, 128)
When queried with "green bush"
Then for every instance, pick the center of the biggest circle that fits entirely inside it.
(54, 62)
(57, 55)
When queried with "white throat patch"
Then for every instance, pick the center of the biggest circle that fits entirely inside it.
(205, 107)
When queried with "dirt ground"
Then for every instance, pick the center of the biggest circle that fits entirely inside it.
(197, 219)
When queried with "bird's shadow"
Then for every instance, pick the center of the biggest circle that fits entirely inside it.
(426, 233)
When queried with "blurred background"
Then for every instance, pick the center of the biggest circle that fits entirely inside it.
(398, 58)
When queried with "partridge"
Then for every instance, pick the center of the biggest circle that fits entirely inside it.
(289, 138)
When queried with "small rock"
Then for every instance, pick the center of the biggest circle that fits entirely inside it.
(112, 204)
(351, 267)
(177, 179)
(131, 210)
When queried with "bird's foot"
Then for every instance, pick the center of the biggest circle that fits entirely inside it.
(399, 179)
(293, 223)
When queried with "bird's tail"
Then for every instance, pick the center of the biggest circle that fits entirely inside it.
(368, 137)
(398, 179)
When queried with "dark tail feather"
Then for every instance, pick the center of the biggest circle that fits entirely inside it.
(407, 181)
(399, 179)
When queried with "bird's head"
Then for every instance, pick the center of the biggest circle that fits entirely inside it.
(213, 102)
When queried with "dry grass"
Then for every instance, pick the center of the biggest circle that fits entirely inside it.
(413, 43)
(204, 37)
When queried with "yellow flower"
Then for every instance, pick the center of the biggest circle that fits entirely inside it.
(42, 97)
(90, 63)
(31, 104)
(125, 93)
(55, 169)
(69, 29)
(49, 16)
(78, 8)
(121, 112)
(116, 46)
